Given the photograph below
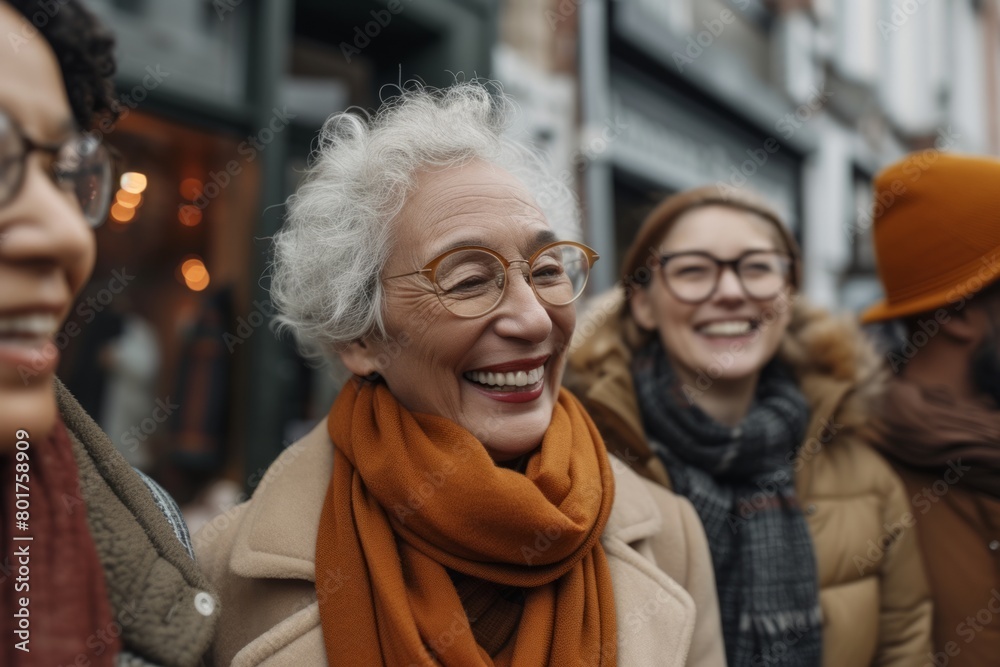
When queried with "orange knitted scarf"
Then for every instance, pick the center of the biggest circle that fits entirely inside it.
(414, 495)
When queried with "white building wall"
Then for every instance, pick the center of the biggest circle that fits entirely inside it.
(967, 105)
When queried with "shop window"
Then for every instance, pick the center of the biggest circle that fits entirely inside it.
(133, 7)
(146, 347)
(860, 226)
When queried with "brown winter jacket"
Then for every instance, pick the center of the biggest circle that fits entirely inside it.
(959, 531)
(261, 556)
(873, 592)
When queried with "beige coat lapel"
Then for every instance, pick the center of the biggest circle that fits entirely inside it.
(277, 540)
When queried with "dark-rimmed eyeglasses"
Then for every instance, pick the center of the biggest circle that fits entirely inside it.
(693, 277)
(470, 281)
(81, 165)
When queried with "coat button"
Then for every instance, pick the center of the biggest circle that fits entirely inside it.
(995, 545)
(204, 603)
(811, 508)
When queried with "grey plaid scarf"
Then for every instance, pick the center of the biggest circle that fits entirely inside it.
(741, 482)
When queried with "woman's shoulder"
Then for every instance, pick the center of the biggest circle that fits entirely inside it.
(667, 522)
(849, 466)
(283, 514)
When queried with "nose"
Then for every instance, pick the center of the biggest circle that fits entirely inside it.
(43, 227)
(729, 289)
(521, 314)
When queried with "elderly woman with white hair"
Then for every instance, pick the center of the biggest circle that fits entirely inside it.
(456, 507)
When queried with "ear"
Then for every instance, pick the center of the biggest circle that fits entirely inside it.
(641, 306)
(359, 357)
(965, 325)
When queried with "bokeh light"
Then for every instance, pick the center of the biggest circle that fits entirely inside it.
(122, 214)
(128, 199)
(189, 215)
(195, 274)
(191, 188)
(134, 182)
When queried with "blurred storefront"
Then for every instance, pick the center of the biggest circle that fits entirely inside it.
(221, 102)
(800, 100)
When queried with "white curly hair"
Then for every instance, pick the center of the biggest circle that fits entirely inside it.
(337, 235)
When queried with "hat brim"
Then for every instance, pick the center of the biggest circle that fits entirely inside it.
(967, 285)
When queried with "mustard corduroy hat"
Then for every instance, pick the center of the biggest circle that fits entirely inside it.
(936, 231)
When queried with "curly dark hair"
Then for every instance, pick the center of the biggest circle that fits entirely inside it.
(84, 49)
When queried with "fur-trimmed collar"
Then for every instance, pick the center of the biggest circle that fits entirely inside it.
(839, 370)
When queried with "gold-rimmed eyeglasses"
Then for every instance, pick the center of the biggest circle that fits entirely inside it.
(470, 280)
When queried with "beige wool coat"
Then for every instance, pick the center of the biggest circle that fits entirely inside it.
(873, 589)
(261, 558)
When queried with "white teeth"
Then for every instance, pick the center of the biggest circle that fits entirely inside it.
(518, 379)
(733, 328)
(31, 324)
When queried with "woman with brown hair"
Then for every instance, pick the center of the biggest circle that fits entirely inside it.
(710, 375)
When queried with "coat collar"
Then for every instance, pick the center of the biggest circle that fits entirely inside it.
(277, 539)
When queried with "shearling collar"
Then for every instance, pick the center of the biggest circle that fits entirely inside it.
(157, 592)
(277, 539)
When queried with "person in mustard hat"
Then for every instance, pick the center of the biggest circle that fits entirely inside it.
(708, 373)
(937, 241)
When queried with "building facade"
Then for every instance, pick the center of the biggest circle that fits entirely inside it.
(803, 101)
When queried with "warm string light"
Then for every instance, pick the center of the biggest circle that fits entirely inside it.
(188, 214)
(129, 197)
(195, 274)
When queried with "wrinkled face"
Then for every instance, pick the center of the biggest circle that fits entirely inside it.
(46, 246)
(729, 337)
(437, 363)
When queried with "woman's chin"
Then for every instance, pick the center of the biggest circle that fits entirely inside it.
(31, 410)
(515, 440)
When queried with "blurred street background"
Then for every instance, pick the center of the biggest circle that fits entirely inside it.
(803, 101)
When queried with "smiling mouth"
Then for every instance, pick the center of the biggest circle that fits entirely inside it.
(737, 328)
(26, 341)
(510, 381)
(31, 330)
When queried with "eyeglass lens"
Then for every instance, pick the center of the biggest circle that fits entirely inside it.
(471, 282)
(694, 277)
(81, 165)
